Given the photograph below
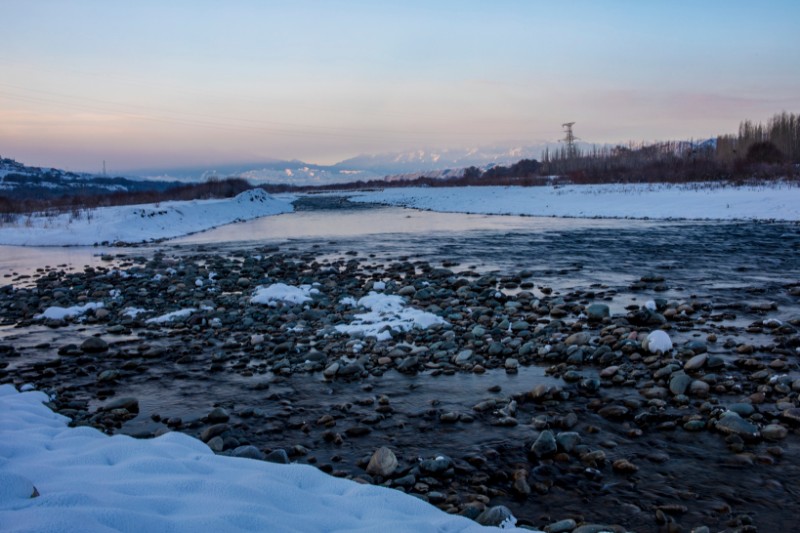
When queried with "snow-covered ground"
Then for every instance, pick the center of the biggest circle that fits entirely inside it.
(659, 201)
(86, 481)
(137, 223)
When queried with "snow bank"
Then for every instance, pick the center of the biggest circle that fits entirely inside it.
(386, 310)
(697, 201)
(280, 292)
(60, 313)
(90, 482)
(137, 223)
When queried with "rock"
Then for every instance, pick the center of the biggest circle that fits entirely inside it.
(679, 382)
(463, 357)
(408, 290)
(495, 516)
(436, 467)
(774, 432)
(212, 431)
(623, 466)
(545, 444)
(520, 485)
(278, 456)
(408, 364)
(596, 312)
(609, 372)
(613, 411)
(579, 339)
(382, 463)
(699, 388)
(450, 417)
(331, 370)
(108, 375)
(216, 444)
(657, 342)
(567, 440)
(593, 528)
(562, 526)
(357, 431)
(94, 345)
(129, 404)
(511, 364)
(520, 325)
(217, 415)
(405, 481)
(742, 409)
(731, 423)
(696, 362)
(791, 415)
(248, 452)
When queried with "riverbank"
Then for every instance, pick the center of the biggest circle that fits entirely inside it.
(698, 201)
(137, 223)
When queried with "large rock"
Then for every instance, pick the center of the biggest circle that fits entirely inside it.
(495, 516)
(383, 462)
(545, 444)
(597, 312)
(94, 345)
(657, 342)
(731, 423)
(696, 362)
(580, 338)
(679, 382)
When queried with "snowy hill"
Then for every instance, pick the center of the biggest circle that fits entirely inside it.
(19, 181)
(139, 223)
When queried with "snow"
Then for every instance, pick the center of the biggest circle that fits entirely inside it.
(779, 201)
(180, 313)
(280, 292)
(60, 313)
(386, 310)
(133, 311)
(90, 482)
(137, 223)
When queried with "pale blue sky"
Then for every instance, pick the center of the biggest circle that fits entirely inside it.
(156, 83)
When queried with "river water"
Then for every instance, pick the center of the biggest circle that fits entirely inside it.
(734, 264)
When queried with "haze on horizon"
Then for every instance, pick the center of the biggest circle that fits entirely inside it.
(192, 82)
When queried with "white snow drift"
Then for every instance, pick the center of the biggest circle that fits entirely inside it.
(386, 310)
(778, 201)
(276, 293)
(90, 482)
(137, 223)
(59, 313)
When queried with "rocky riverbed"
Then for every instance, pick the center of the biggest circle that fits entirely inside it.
(560, 403)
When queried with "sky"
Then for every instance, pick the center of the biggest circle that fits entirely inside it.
(147, 83)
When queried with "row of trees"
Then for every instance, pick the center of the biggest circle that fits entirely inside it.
(776, 141)
(213, 188)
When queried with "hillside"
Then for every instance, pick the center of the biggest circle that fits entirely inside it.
(20, 182)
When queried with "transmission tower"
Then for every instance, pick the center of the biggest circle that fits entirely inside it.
(570, 139)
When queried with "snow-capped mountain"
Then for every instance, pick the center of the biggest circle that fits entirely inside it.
(423, 160)
(409, 164)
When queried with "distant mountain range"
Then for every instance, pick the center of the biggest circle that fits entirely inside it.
(392, 166)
